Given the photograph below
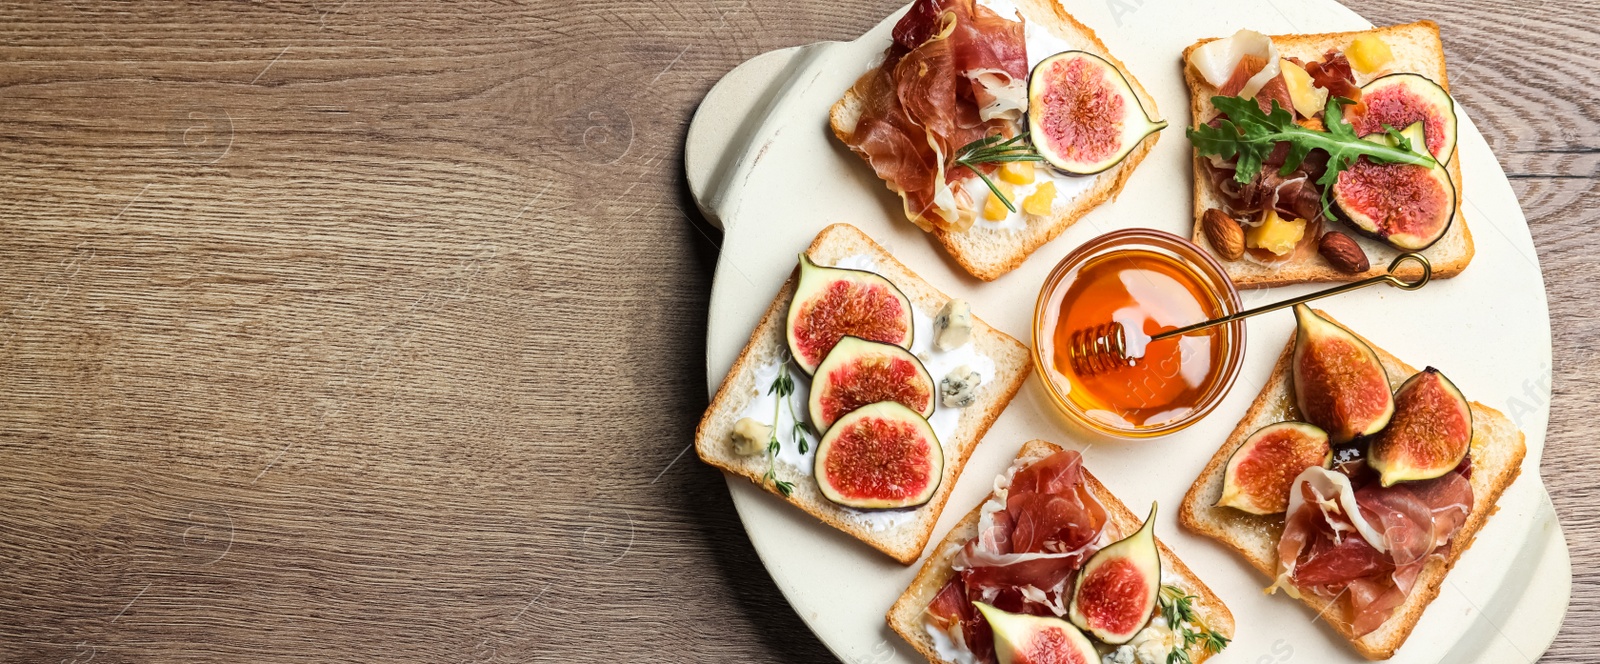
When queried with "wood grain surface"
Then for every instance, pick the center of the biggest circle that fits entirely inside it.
(372, 331)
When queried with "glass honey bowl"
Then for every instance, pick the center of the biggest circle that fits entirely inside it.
(1148, 281)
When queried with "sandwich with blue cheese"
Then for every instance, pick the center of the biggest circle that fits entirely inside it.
(861, 394)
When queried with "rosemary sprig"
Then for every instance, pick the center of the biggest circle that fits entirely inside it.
(783, 386)
(996, 149)
(1177, 607)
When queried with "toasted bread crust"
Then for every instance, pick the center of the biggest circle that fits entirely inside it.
(905, 617)
(1199, 514)
(1449, 257)
(1012, 369)
(972, 248)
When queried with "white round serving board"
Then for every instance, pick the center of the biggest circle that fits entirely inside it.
(762, 164)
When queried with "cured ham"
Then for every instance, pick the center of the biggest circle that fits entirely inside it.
(1333, 73)
(1033, 536)
(954, 74)
(1361, 544)
(1295, 195)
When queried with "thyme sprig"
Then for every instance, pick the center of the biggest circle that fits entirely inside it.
(996, 149)
(1177, 607)
(782, 386)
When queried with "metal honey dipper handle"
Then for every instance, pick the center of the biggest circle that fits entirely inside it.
(1105, 347)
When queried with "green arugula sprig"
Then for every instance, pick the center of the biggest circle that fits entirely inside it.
(1251, 134)
(996, 149)
(1177, 607)
(782, 386)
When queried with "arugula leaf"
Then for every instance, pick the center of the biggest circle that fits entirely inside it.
(1251, 134)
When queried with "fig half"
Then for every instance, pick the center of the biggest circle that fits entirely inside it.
(858, 372)
(1115, 594)
(1261, 472)
(880, 456)
(1399, 100)
(830, 303)
(1429, 435)
(1406, 206)
(1025, 639)
(1339, 383)
(1083, 116)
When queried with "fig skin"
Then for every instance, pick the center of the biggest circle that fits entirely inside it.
(1133, 562)
(1340, 385)
(870, 361)
(1025, 639)
(1394, 100)
(812, 290)
(1261, 472)
(1430, 434)
(1387, 179)
(1117, 115)
(878, 458)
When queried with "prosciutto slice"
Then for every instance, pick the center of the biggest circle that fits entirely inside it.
(1364, 545)
(954, 74)
(1033, 536)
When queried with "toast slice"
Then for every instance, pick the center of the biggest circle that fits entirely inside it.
(987, 250)
(1417, 50)
(905, 617)
(1497, 451)
(901, 533)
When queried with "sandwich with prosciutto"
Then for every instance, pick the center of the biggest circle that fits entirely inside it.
(1053, 568)
(998, 124)
(1355, 482)
(1321, 157)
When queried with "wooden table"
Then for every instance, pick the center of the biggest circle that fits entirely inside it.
(350, 331)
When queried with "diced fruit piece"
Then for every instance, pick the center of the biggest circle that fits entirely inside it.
(1339, 383)
(995, 209)
(1082, 115)
(1275, 234)
(1260, 472)
(1369, 53)
(1040, 202)
(1115, 594)
(858, 372)
(830, 303)
(1308, 99)
(1429, 435)
(1025, 639)
(1398, 100)
(1406, 206)
(1017, 172)
(880, 456)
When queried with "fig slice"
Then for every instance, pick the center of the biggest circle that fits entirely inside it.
(858, 372)
(1024, 639)
(1429, 435)
(1406, 206)
(1399, 100)
(1083, 116)
(880, 456)
(1115, 594)
(830, 303)
(1339, 383)
(1261, 472)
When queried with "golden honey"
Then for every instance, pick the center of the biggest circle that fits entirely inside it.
(1148, 282)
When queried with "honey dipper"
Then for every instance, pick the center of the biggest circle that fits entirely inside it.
(1105, 347)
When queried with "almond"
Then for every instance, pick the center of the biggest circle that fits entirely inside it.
(1225, 235)
(1343, 253)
